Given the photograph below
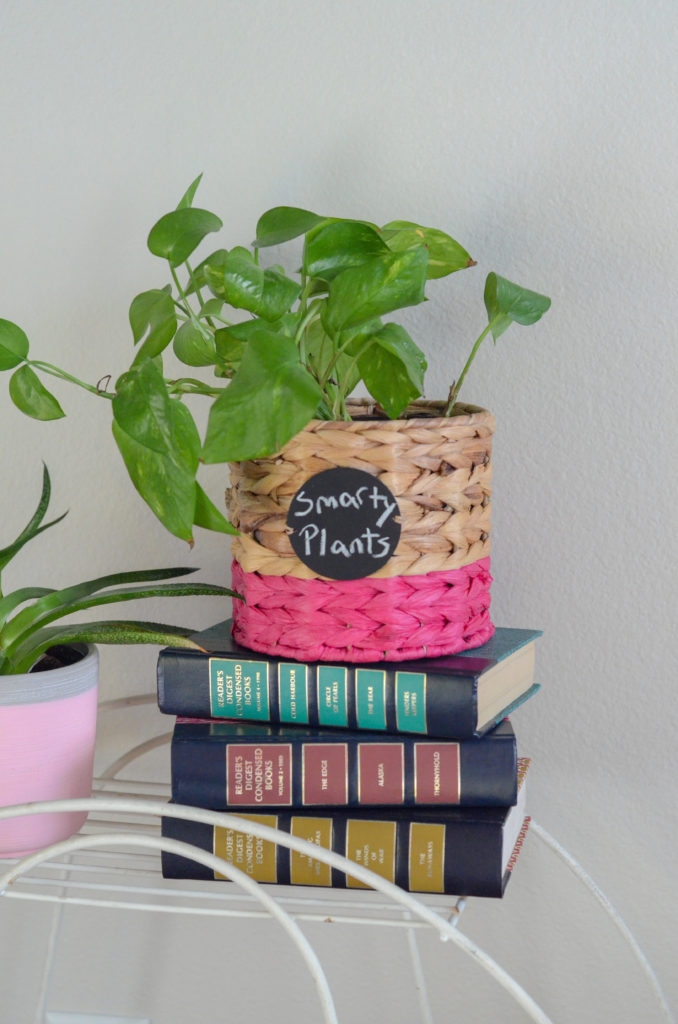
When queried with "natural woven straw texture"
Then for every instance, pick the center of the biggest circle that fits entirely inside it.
(437, 467)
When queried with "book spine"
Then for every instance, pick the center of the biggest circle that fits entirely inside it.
(221, 773)
(389, 699)
(460, 858)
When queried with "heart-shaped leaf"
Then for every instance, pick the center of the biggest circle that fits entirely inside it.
(283, 223)
(245, 285)
(377, 287)
(338, 245)
(177, 234)
(393, 369)
(321, 351)
(13, 345)
(198, 277)
(270, 399)
(239, 280)
(280, 293)
(160, 445)
(445, 255)
(167, 487)
(231, 341)
(142, 407)
(153, 312)
(508, 303)
(192, 347)
(31, 396)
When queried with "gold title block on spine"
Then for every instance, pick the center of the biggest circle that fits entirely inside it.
(256, 857)
(373, 845)
(306, 870)
(427, 857)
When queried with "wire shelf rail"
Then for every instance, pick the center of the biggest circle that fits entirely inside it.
(114, 863)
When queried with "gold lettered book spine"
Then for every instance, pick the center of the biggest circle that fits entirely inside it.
(256, 857)
(427, 857)
(373, 845)
(305, 870)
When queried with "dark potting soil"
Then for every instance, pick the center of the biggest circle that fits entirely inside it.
(58, 657)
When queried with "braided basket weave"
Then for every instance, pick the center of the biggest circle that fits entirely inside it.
(431, 597)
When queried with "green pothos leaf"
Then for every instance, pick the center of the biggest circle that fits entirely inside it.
(508, 303)
(31, 396)
(270, 399)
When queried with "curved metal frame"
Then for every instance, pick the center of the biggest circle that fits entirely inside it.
(155, 808)
(586, 880)
(414, 908)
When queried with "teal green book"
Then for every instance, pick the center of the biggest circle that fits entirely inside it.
(458, 696)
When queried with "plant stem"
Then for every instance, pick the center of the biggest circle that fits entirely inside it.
(303, 297)
(340, 401)
(192, 386)
(54, 371)
(338, 351)
(310, 316)
(220, 318)
(197, 287)
(189, 308)
(198, 293)
(460, 381)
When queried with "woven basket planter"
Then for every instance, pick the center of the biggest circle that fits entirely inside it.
(429, 599)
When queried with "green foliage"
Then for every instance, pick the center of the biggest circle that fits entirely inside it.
(26, 614)
(507, 303)
(283, 348)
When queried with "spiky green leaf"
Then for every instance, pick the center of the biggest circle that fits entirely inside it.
(34, 525)
(68, 598)
(114, 596)
(105, 632)
(18, 597)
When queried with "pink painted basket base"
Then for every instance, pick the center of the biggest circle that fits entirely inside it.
(372, 619)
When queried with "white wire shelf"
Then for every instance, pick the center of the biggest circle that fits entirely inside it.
(114, 863)
(132, 879)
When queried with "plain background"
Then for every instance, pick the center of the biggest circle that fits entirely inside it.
(542, 136)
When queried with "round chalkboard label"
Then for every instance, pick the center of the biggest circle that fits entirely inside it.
(344, 523)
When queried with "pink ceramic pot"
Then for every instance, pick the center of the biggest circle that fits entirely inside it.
(47, 734)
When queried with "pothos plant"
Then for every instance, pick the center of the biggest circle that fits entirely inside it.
(279, 348)
(27, 636)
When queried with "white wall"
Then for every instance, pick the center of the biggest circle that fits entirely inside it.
(542, 135)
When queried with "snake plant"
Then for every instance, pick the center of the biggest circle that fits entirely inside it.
(27, 614)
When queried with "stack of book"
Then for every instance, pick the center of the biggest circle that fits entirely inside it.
(410, 769)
